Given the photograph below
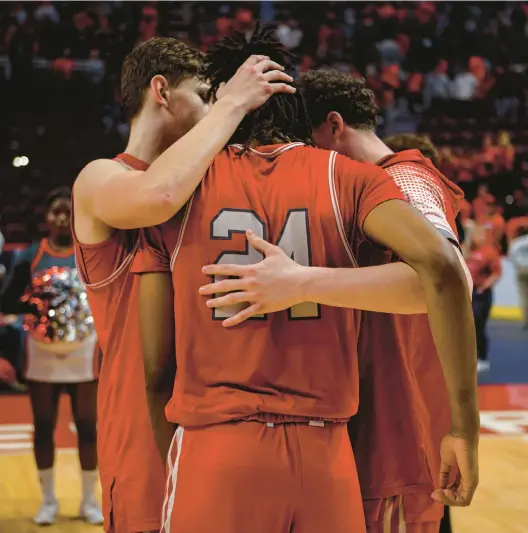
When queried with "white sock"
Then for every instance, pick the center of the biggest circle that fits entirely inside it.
(47, 485)
(89, 479)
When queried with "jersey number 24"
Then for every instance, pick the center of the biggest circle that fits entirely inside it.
(294, 240)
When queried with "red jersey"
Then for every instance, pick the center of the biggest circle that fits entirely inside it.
(130, 466)
(404, 411)
(484, 262)
(301, 362)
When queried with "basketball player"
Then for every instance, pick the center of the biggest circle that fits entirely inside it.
(262, 443)
(48, 374)
(164, 98)
(404, 403)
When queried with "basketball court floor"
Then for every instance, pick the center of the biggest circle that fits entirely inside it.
(500, 505)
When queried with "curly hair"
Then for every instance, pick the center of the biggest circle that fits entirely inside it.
(327, 90)
(410, 141)
(157, 56)
(284, 117)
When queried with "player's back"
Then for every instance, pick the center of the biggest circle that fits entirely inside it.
(299, 362)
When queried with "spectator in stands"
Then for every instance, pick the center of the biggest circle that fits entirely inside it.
(481, 201)
(289, 33)
(463, 91)
(46, 11)
(483, 261)
(437, 90)
(518, 254)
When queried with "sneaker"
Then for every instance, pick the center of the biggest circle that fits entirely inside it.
(91, 512)
(47, 514)
(483, 366)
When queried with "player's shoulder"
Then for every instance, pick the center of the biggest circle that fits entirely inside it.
(346, 166)
(95, 171)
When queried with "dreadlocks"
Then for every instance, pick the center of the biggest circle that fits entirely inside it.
(284, 117)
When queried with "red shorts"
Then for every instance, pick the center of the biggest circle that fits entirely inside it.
(133, 487)
(409, 513)
(251, 476)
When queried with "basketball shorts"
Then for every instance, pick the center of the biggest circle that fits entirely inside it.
(262, 477)
(409, 513)
(125, 513)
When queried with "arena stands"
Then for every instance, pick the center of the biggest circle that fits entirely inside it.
(453, 70)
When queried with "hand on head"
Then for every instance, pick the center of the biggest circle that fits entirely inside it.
(255, 82)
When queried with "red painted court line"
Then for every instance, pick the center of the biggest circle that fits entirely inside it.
(504, 412)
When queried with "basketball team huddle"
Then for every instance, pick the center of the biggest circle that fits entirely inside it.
(283, 311)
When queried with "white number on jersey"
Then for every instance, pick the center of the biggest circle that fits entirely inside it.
(294, 240)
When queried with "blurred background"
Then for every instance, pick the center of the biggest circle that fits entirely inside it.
(454, 71)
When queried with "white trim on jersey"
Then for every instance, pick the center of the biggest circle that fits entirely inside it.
(128, 259)
(337, 210)
(274, 153)
(182, 232)
(421, 189)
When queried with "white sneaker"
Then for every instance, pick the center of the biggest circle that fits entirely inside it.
(47, 514)
(483, 366)
(91, 512)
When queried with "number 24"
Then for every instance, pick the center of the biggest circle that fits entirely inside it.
(294, 240)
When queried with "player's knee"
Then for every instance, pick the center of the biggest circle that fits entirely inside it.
(87, 430)
(43, 432)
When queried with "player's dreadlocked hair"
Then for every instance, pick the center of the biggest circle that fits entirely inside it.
(284, 117)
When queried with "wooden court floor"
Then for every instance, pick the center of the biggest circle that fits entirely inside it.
(500, 505)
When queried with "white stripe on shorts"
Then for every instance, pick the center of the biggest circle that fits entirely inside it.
(172, 481)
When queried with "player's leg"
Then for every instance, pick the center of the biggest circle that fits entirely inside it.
(44, 399)
(230, 478)
(445, 523)
(330, 496)
(479, 315)
(84, 408)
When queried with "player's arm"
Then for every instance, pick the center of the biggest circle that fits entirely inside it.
(156, 310)
(418, 243)
(132, 199)
(448, 303)
(278, 282)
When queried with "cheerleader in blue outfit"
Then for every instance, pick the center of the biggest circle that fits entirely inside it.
(48, 374)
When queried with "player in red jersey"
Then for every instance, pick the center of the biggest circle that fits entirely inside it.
(163, 163)
(389, 387)
(404, 410)
(261, 443)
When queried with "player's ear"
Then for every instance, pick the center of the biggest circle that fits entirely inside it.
(336, 123)
(160, 89)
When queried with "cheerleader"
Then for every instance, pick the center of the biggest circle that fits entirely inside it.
(48, 374)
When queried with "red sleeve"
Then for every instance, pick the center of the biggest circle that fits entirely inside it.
(152, 254)
(360, 188)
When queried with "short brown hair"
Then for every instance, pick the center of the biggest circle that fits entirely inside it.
(410, 141)
(328, 90)
(160, 55)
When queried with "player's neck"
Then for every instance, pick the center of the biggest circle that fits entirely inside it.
(366, 146)
(146, 141)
